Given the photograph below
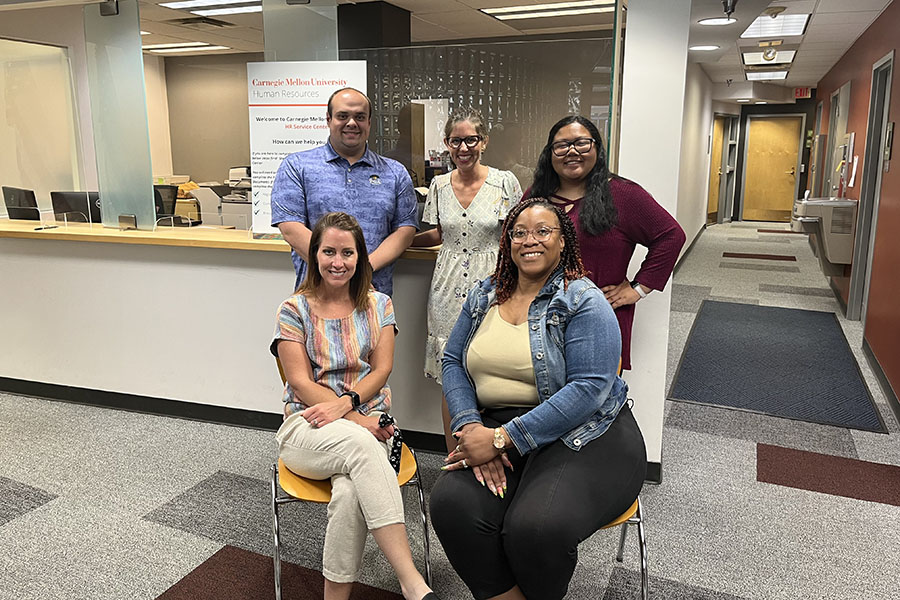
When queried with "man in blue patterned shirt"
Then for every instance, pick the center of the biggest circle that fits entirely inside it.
(345, 175)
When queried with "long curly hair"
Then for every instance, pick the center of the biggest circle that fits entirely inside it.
(597, 213)
(506, 274)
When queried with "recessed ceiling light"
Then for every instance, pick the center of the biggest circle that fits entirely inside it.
(781, 25)
(557, 9)
(761, 102)
(743, 100)
(757, 58)
(718, 21)
(237, 10)
(766, 75)
(174, 45)
(201, 3)
(703, 48)
(201, 49)
(145, 33)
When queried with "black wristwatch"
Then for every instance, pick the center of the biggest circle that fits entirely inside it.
(354, 398)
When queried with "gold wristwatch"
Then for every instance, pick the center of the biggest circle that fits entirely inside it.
(499, 440)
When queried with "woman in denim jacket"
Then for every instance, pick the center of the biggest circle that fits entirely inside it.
(548, 450)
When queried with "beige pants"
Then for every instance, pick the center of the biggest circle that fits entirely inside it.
(364, 490)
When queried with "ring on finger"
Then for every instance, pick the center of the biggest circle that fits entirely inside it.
(457, 448)
(465, 464)
(315, 421)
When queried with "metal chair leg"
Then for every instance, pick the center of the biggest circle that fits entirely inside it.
(620, 555)
(642, 544)
(275, 532)
(423, 511)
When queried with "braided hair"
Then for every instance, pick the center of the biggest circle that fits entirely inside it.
(597, 213)
(506, 273)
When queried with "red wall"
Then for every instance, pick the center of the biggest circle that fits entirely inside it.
(882, 327)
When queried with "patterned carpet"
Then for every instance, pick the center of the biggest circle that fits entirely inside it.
(98, 504)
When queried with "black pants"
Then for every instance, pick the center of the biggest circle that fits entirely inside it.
(556, 498)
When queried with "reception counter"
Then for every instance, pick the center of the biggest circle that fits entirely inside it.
(179, 315)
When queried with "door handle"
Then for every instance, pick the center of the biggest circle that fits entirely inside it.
(792, 171)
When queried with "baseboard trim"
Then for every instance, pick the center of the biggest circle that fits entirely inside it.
(654, 473)
(192, 411)
(837, 296)
(883, 381)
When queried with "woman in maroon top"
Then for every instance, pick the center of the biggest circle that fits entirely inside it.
(611, 215)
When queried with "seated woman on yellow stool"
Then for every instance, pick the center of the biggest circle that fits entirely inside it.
(335, 339)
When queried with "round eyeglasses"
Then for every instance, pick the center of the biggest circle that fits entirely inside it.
(470, 141)
(581, 145)
(541, 234)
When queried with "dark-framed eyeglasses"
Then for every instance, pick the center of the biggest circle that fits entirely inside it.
(470, 141)
(581, 145)
(541, 234)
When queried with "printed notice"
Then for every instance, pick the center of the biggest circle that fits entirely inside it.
(287, 103)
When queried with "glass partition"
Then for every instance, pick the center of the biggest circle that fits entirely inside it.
(40, 150)
(119, 114)
(520, 87)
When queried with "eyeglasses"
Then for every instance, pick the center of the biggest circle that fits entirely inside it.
(541, 234)
(470, 141)
(581, 145)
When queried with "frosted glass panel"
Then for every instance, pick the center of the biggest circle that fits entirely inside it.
(39, 149)
(119, 114)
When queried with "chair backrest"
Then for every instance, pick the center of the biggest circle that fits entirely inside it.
(209, 204)
(21, 204)
(164, 197)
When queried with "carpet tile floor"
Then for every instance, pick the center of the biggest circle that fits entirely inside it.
(97, 504)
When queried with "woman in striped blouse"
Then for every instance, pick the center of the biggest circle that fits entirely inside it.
(335, 339)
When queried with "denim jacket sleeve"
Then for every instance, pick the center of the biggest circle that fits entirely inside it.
(457, 387)
(592, 347)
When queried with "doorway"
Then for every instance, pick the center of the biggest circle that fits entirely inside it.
(772, 167)
(878, 134)
(722, 162)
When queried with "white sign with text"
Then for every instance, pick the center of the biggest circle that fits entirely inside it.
(287, 102)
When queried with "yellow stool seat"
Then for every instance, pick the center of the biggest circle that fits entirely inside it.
(623, 517)
(319, 490)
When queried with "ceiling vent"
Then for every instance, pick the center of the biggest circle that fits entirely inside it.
(201, 23)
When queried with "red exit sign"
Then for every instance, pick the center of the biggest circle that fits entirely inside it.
(802, 93)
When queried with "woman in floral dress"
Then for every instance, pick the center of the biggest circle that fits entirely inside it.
(467, 207)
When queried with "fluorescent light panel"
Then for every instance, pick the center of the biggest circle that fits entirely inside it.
(145, 33)
(703, 48)
(780, 26)
(756, 58)
(202, 3)
(194, 49)
(718, 21)
(744, 100)
(214, 12)
(764, 76)
(174, 45)
(540, 7)
(556, 13)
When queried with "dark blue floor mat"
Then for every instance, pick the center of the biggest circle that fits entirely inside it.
(784, 362)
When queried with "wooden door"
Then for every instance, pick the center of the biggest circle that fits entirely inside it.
(715, 170)
(770, 175)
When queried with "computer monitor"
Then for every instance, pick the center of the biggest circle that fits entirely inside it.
(76, 206)
(21, 204)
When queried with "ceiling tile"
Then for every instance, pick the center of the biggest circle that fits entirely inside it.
(845, 6)
(865, 17)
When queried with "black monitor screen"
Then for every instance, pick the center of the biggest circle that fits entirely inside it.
(76, 206)
(21, 204)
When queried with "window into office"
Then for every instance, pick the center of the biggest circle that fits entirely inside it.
(40, 149)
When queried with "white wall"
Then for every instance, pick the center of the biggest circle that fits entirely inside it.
(158, 114)
(189, 324)
(653, 81)
(61, 26)
(696, 129)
